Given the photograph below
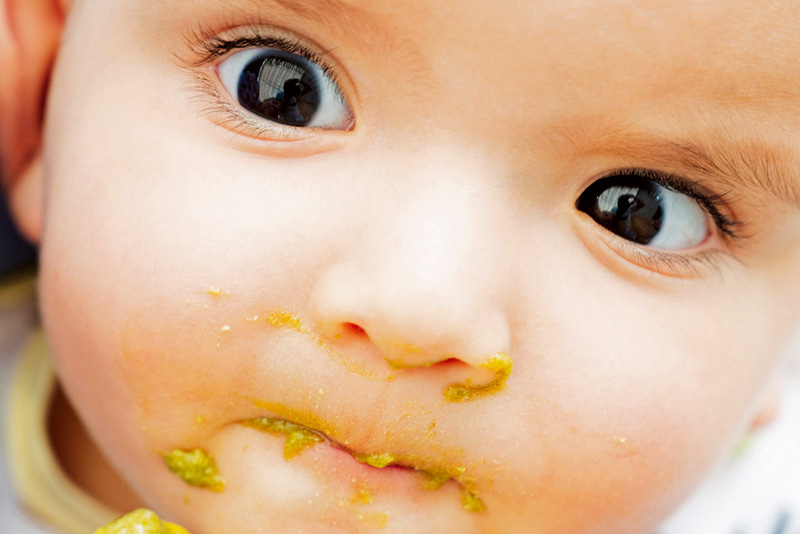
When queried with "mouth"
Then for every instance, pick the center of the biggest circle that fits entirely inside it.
(300, 437)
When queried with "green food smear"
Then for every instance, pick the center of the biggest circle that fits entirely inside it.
(195, 467)
(471, 501)
(501, 364)
(379, 460)
(298, 437)
(400, 364)
(437, 478)
(141, 521)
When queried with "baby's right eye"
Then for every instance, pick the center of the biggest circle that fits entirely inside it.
(285, 88)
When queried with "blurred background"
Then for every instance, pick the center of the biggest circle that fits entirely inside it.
(15, 252)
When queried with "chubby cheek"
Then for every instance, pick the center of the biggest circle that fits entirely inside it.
(633, 395)
(604, 474)
(573, 465)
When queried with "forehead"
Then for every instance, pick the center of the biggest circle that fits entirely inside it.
(737, 52)
(558, 76)
(592, 53)
(730, 52)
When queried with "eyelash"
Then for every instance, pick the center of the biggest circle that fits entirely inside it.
(695, 265)
(713, 203)
(208, 46)
(691, 265)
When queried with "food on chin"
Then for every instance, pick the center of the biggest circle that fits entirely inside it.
(141, 521)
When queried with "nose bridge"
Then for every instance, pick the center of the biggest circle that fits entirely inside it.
(432, 238)
(425, 284)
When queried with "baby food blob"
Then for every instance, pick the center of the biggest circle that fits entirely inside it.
(298, 438)
(195, 467)
(500, 364)
(141, 521)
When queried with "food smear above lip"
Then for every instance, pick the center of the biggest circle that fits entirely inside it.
(299, 438)
(195, 467)
(141, 521)
(500, 364)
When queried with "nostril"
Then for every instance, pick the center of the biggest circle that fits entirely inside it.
(352, 328)
(348, 331)
(452, 363)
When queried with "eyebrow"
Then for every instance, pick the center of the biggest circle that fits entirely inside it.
(355, 22)
(770, 170)
(755, 167)
(313, 9)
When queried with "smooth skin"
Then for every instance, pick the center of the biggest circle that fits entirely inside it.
(437, 231)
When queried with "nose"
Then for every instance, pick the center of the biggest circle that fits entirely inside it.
(424, 283)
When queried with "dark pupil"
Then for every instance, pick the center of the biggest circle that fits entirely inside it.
(280, 88)
(629, 206)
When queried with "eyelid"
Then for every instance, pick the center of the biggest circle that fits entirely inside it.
(209, 48)
(692, 265)
(626, 256)
(217, 46)
(631, 259)
(715, 204)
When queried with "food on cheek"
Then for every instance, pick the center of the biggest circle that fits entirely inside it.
(471, 502)
(500, 364)
(215, 291)
(196, 467)
(141, 521)
(374, 519)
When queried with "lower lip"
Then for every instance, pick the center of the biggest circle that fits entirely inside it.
(336, 466)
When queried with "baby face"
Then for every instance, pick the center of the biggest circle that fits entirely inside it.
(421, 267)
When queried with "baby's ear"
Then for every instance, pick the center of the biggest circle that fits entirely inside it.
(30, 31)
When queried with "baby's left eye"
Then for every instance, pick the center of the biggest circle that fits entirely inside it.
(285, 88)
(645, 212)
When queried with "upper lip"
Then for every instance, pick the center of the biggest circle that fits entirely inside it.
(326, 431)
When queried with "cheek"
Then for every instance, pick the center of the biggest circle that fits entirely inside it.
(634, 394)
(134, 323)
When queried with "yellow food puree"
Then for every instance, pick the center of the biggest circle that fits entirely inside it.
(141, 521)
(195, 467)
(500, 364)
(298, 437)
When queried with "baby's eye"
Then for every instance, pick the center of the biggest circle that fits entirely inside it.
(285, 88)
(645, 212)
